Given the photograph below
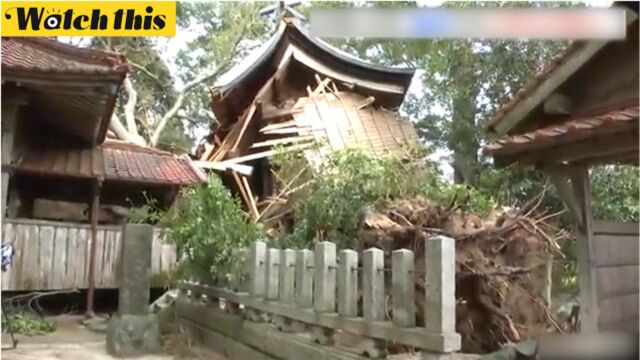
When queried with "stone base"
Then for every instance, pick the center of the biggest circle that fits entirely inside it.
(133, 335)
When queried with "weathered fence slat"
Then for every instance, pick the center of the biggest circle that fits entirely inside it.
(59, 274)
(54, 255)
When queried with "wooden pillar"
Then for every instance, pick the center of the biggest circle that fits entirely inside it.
(573, 187)
(95, 210)
(9, 114)
(585, 252)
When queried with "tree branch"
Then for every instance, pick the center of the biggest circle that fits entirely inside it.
(130, 106)
(121, 132)
(148, 73)
(192, 84)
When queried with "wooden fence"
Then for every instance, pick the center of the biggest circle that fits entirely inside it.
(314, 289)
(55, 255)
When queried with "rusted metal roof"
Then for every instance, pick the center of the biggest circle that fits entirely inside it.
(567, 131)
(113, 160)
(341, 121)
(46, 55)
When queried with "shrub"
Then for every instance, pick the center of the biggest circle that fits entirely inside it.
(207, 227)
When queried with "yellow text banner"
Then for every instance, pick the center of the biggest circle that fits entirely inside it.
(85, 18)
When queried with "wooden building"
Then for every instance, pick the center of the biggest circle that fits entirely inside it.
(579, 112)
(295, 91)
(60, 173)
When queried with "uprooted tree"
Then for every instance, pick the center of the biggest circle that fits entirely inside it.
(165, 100)
(359, 201)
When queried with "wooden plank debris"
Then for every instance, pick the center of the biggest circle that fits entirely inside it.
(216, 165)
(252, 201)
(294, 139)
(263, 154)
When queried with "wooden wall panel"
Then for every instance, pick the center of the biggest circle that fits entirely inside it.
(618, 310)
(615, 247)
(616, 250)
(55, 255)
(617, 281)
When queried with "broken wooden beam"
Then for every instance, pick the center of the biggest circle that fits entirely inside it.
(217, 165)
(263, 154)
(294, 139)
(273, 113)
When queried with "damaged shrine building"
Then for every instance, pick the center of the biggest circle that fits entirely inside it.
(298, 93)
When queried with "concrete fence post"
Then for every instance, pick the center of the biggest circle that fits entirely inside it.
(304, 278)
(403, 288)
(287, 275)
(348, 283)
(273, 270)
(257, 259)
(324, 294)
(373, 284)
(440, 297)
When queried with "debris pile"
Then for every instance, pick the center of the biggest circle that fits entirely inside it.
(324, 119)
(501, 266)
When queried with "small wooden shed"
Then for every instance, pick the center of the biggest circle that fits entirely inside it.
(57, 103)
(579, 112)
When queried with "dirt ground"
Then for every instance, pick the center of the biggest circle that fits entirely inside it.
(74, 341)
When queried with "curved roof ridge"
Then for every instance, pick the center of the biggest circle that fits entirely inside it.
(297, 33)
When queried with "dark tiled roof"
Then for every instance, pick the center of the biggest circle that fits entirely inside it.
(148, 167)
(538, 80)
(567, 131)
(113, 160)
(46, 55)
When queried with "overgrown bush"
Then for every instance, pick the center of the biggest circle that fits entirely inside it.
(207, 227)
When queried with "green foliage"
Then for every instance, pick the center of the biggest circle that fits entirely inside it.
(207, 227)
(462, 81)
(615, 193)
(28, 323)
(149, 213)
(351, 181)
(224, 33)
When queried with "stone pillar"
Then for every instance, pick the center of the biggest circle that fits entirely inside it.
(440, 304)
(287, 276)
(135, 267)
(324, 292)
(134, 332)
(273, 274)
(403, 288)
(304, 278)
(440, 297)
(373, 284)
(348, 283)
